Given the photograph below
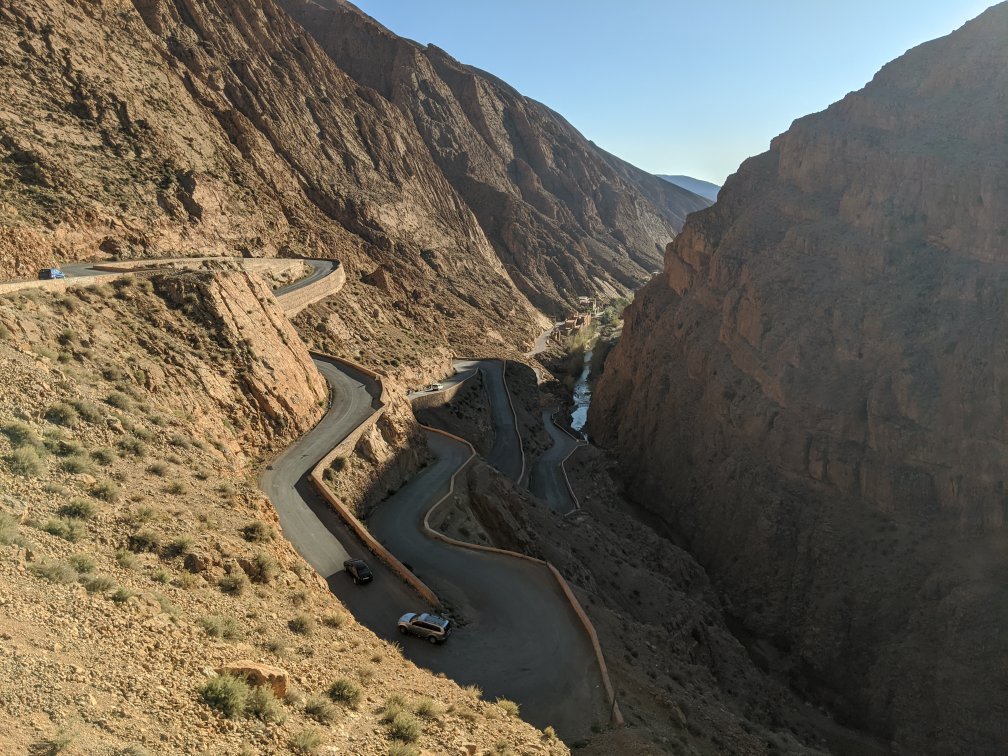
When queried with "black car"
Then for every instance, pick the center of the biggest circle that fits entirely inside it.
(358, 570)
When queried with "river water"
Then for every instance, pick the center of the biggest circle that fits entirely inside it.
(582, 396)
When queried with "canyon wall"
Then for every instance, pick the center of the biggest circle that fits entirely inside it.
(564, 216)
(813, 395)
(158, 128)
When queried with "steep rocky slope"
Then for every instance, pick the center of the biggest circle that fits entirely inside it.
(167, 128)
(564, 216)
(137, 555)
(162, 127)
(813, 396)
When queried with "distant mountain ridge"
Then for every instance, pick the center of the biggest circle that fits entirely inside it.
(698, 186)
(563, 216)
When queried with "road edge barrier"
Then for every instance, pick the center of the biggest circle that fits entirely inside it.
(435, 399)
(563, 462)
(344, 447)
(293, 302)
(521, 443)
(514, 415)
(616, 714)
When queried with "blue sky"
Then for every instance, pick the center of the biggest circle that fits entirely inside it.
(678, 87)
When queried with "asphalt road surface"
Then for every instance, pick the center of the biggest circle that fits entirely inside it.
(307, 520)
(320, 269)
(518, 637)
(547, 479)
(506, 453)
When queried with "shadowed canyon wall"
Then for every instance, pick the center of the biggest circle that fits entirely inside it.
(815, 395)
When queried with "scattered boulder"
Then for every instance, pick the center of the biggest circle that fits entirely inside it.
(198, 561)
(258, 674)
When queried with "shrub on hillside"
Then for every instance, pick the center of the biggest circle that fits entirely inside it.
(62, 413)
(178, 546)
(405, 727)
(89, 411)
(302, 624)
(77, 463)
(105, 490)
(25, 461)
(393, 705)
(145, 539)
(134, 447)
(320, 709)
(346, 691)
(219, 626)
(67, 528)
(307, 741)
(82, 509)
(99, 584)
(228, 695)
(257, 531)
(263, 704)
(104, 456)
(510, 707)
(263, 568)
(10, 530)
(158, 468)
(118, 400)
(21, 434)
(235, 583)
(83, 563)
(54, 572)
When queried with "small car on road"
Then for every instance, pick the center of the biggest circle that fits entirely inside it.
(358, 570)
(430, 626)
(50, 273)
(436, 387)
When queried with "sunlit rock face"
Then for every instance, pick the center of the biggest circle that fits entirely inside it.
(564, 216)
(815, 395)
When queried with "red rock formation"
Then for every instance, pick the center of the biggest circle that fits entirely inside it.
(814, 395)
(564, 216)
(166, 127)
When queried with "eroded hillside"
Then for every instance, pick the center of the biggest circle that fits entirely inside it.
(564, 216)
(173, 129)
(138, 556)
(812, 396)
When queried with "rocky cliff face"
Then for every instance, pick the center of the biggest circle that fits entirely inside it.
(168, 128)
(564, 216)
(813, 395)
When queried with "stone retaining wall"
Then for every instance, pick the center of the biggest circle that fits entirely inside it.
(294, 301)
(440, 398)
(376, 388)
(59, 284)
(617, 715)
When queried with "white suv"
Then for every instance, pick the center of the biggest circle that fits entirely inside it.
(435, 629)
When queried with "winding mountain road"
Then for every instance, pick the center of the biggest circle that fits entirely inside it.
(517, 635)
(547, 480)
(320, 269)
(507, 453)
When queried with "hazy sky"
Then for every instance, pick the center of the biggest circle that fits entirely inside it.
(678, 87)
